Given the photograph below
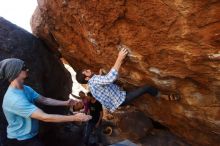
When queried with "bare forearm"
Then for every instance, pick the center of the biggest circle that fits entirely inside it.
(52, 102)
(42, 116)
(117, 64)
(58, 118)
(122, 54)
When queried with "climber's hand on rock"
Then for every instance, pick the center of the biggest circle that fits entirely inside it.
(122, 54)
(82, 117)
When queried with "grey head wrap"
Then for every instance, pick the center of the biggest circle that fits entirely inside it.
(10, 68)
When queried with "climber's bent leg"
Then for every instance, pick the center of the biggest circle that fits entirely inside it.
(130, 96)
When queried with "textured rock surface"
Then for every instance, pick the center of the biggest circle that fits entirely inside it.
(129, 123)
(169, 41)
(132, 124)
(47, 74)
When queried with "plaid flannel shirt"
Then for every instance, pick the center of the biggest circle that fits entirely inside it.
(105, 91)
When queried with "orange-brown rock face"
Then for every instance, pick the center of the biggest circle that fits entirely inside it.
(169, 43)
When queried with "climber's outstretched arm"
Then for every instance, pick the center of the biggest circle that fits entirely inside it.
(113, 73)
(121, 56)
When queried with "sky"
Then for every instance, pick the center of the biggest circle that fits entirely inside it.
(18, 12)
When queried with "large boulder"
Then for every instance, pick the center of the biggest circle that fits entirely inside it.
(169, 43)
(47, 74)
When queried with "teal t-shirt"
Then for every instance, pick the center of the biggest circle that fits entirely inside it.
(18, 105)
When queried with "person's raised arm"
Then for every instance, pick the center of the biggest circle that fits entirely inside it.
(113, 74)
(121, 56)
(42, 116)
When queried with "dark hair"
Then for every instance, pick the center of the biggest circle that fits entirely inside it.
(82, 93)
(80, 77)
(90, 95)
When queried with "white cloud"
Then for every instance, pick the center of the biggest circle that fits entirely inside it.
(18, 12)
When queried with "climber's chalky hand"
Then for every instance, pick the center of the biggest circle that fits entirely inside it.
(123, 53)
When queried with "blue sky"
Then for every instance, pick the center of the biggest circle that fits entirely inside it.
(18, 12)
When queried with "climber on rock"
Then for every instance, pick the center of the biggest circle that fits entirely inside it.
(110, 95)
(19, 106)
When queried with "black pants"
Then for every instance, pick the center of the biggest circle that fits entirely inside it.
(91, 134)
(29, 142)
(130, 96)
